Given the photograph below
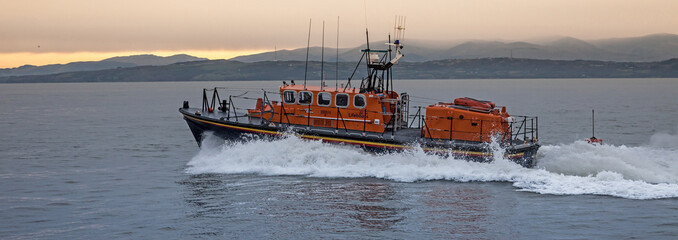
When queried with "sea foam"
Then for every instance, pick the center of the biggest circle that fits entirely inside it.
(566, 169)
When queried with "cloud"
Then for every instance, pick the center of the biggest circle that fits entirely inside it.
(172, 25)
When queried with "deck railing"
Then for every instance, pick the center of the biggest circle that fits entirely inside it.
(520, 129)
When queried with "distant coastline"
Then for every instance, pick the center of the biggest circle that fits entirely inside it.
(483, 68)
(650, 56)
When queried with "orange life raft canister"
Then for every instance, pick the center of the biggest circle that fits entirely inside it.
(474, 103)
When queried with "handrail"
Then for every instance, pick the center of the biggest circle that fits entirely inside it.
(346, 119)
(528, 127)
(230, 100)
(427, 128)
(416, 115)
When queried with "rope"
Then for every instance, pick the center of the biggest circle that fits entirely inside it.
(237, 88)
(434, 99)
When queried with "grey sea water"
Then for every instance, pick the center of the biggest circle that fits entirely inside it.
(115, 160)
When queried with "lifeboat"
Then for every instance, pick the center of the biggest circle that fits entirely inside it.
(371, 115)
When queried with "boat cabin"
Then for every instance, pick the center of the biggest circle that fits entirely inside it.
(465, 119)
(329, 107)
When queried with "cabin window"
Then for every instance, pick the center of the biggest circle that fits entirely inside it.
(359, 101)
(324, 99)
(290, 97)
(341, 100)
(305, 97)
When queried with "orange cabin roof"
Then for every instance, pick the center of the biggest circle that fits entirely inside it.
(301, 87)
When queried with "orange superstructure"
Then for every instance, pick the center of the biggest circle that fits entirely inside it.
(374, 107)
(460, 122)
(342, 108)
(349, 108)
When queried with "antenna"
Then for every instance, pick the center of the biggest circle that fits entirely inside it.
(399, 28)
(593, 139)
(336, 78)
(308, 45)
(399, 36)
(365, 11)
(367, 36)
(367, 50)
(322, 61)
(593, 123)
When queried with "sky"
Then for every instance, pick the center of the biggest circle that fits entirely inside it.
(41, 32)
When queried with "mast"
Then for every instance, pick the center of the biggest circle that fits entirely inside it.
(308, 46)
(379, 62)
(593, 139)
(593, 123)
(369, 72)
(336, 77)
(322, 61)
(390, 73)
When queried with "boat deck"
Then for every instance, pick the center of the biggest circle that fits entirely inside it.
(401, 136)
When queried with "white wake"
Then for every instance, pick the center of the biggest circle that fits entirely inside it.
(577, 168)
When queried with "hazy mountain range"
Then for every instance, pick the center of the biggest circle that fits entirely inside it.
(109, 63)
(650, 48)
(225, 70)
(656, 47)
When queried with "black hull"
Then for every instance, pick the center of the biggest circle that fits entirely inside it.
(231, 129)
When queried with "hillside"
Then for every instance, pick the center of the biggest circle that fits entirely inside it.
(656, 47)
(110, 63)
(650, 48)
(224, 70)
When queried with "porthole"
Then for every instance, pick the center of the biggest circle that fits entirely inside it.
(305, 97)
(324, 99)
(359, 101)
(341, 100)
(290, 97)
